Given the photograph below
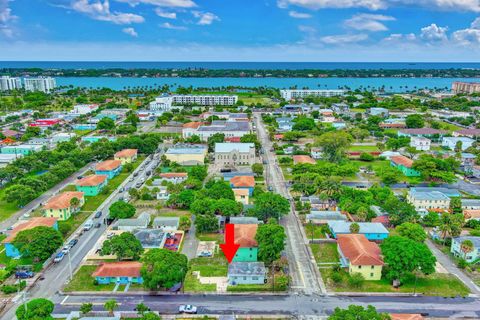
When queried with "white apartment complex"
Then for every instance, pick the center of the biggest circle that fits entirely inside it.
(44, 84)
(10, 83)
(293, 94)
(206, 100)
(162, 103)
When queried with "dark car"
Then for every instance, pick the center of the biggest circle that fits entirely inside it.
(97, 225)
(98, 214)
(72, 242)
(24, 274)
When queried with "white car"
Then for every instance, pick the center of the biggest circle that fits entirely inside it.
(187, 309)
(66, 249)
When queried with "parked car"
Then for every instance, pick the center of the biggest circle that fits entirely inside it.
(72, 242)
(188, 308)
(88, 225)
(98, 225)
(66, 249)
(98, 214)
(59, 257)
(24, 274)
(205, 254)
(80, 177)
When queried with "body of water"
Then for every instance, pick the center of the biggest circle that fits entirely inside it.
(390, 84)
(235, 65)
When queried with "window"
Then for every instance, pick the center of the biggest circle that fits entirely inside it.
(359, 267)
(371, 275)
(372, 267)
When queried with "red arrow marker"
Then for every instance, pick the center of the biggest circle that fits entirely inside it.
(229, 248)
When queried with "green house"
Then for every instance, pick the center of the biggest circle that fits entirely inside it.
(404, 164)
(245, 237)
(92, 185)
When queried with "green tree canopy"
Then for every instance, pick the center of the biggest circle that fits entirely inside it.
(213, 139)
(124, 245)
(163, 268)
(270, 205)
(271, 241)
(106, 124)
(206, 223)
(354, 312)
(37, 309)
(334, 145)
(39, 242)
(122, 210)
(219, 190)
(412, 231)
(415, 121)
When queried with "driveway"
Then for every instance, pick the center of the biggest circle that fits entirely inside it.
(190, 242)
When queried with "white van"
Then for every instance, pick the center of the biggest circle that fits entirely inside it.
(88, 225)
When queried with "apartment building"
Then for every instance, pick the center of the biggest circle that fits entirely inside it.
(10, 83)
(465, 87)
(295, 94)
(44, 84)
(206, 100)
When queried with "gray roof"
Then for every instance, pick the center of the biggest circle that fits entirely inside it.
(166, 221)
(326, 215)
(100, 318)
(187, 149)
(226, 126)
(446, 191)
(229, 147)
(246, 269)
(471, 202)
(475, 240)
(142, 221)
(365, 227)
(150, 238)
(429, 195)
(244, 220)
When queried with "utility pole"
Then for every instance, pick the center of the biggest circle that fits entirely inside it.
(70, 265)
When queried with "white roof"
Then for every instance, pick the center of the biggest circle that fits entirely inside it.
(228, 147)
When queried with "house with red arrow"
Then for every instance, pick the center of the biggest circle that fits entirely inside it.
(245, 238)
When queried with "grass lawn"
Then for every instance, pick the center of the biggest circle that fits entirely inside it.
(218, 237)
(433, 285)
(8, 208)
(210, 267)
(193, 285)
(325, 252)
(318, 231)
(448, 126)
(364, 148)
(21, 262)
(83, 281)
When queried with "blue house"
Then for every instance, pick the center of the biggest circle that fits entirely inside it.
(84, 126)
(373, 231)
(10, 249)
(110, 168)
(122, 272)
(92, 139)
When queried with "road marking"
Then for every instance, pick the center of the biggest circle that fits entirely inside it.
(64, 299)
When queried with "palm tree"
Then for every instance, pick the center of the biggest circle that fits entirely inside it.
(354, 227)
(110, 306)
(74, 203)
(329, 187)
(466, 246)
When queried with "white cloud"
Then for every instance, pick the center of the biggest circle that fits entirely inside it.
(168, 25)
(399, 37)
(205, 18)
(344, 38)
(299, 15)
(433, 33)
(469, 36)
(476, 23)
(165, 14)
(163, 3)
(130, 32)
(368, 22)
(307, 29)
(99, 10)
(6, 19)
(450, 5)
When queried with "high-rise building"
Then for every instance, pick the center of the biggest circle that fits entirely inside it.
(9, 83)
(44, 84)
(465, 87)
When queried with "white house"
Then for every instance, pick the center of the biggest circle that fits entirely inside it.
(420, 143)
(451, 142)
(162, 103)
(84, 108)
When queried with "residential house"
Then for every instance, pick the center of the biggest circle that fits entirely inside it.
(141, 222)
(126, 155)
(360, 256)
(167, 224)
(471, 204)
(297, 159)
(174, 177)
(8, 133)
(471, 214)
(420, 143)
(84, 126)
(322, 217)
(92, 185)
(404, 164)
(119, 272)
(62, 137)
(316, 153)
(389, 154)
(371, 230)
(469, 133)
(10, 250)
(163, 193)
(285, 124)
(247, 273)
(84, 108)
(406, 316)
(428, 198)
(422, 132)
(151, 238)
(60, 206)
(243, 182)
(190, 128)
(21, 149)
(451, 142)
(187, 154)
(457, 248)
(244, 220)
(449, 192)
(227, 176)
(110, 168)
(241, 195)
(234, 154)
(380, 112)
(93, 139)
(245, 237)
(392, 125)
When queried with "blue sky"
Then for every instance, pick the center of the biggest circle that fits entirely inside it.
(240, 30)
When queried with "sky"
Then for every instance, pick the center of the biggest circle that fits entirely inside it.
(240, 30)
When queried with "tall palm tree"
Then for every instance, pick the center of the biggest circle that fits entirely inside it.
(466, 246)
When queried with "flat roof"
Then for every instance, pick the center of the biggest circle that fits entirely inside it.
(229, 147)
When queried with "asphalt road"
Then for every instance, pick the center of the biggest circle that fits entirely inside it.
(302, 266)
(56, 274)
(294, 305)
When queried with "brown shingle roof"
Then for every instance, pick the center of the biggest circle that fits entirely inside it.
(359, 250)
(118, 269)
(169, 175)
(30, 224)
(243, 181)
(245, 235)
(192, 125)
(402, 160)
(406, 316)
(62, 200)
(108, 165)
(126, 153)
(93, 180)
(303, 159)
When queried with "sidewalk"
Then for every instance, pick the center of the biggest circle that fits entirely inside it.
(449, 265)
